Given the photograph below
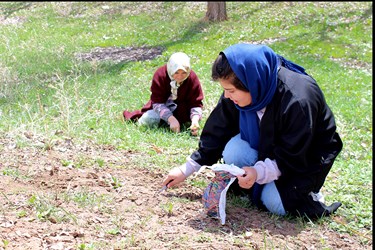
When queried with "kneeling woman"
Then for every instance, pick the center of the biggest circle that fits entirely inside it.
(176, 97)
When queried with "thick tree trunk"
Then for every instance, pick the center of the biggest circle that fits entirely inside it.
(216, 11)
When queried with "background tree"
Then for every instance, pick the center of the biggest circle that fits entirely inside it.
(216, 11)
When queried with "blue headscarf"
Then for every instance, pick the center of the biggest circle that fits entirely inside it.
(256, 66)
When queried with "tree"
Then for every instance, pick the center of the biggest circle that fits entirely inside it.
(216, 11)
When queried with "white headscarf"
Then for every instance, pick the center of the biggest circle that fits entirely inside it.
(177, 61)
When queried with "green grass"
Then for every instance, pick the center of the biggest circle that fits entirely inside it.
(44, 88)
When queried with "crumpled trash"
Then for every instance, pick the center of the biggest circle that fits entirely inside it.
(215, 194)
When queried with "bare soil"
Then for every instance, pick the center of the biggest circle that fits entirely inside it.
(119, 54)
(49, 203)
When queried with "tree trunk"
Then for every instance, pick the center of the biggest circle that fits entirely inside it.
(216, 11)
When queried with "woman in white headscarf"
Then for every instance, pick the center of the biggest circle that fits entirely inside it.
(176, 97)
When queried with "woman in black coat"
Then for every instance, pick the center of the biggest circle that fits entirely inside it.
(273, 122)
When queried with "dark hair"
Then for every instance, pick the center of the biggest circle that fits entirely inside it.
(222, 70)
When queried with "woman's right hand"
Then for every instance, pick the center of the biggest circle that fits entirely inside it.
(194, 128)
(174, 177)
(174, 124)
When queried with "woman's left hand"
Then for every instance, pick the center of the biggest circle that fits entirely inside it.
(194, 129)
(248, 179)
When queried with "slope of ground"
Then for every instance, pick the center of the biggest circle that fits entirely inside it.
(63, 195)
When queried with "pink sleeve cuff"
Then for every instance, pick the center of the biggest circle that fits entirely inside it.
(267, 171)
(189, 167)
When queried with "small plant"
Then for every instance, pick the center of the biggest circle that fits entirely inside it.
(115, 182)
(9, 171)
(199, 183)
(66, 163)
(48, 145)
(21, 214)
(239, 201)
(85, 198)
(45, 210)
(100, 162)
(32, 200)
(168, 208)
(203, 238)
(83, 246)
(6, 243)
(133, 240)
(143, 222)
(80, 163)
(113, 231)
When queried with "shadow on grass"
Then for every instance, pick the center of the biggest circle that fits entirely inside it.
(12, 7)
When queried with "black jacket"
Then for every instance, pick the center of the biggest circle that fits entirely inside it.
(297, 130)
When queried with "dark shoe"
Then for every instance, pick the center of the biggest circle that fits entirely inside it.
(332, 208)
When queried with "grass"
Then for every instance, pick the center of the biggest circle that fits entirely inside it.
(45, 90)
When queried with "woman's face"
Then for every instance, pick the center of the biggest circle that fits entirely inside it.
(179, 76)
(239, 97)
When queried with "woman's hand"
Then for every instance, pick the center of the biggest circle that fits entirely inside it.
(248, 179)
(194, 128)
(174, 124)
(174, 177)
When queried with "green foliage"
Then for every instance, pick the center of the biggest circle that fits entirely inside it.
(168, 208)
(45, 210)
(45, 88)
(238, 201)
(86, 198)
(10, 171)
(21, 214)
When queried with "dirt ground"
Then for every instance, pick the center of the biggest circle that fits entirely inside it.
(117, 54)
(64, 195)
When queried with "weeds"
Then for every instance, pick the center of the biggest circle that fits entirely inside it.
(168, 208)
(45, 210)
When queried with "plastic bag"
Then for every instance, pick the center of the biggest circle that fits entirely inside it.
(214, 195)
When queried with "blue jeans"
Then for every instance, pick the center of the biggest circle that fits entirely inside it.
(240, 153)
(149, 119)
